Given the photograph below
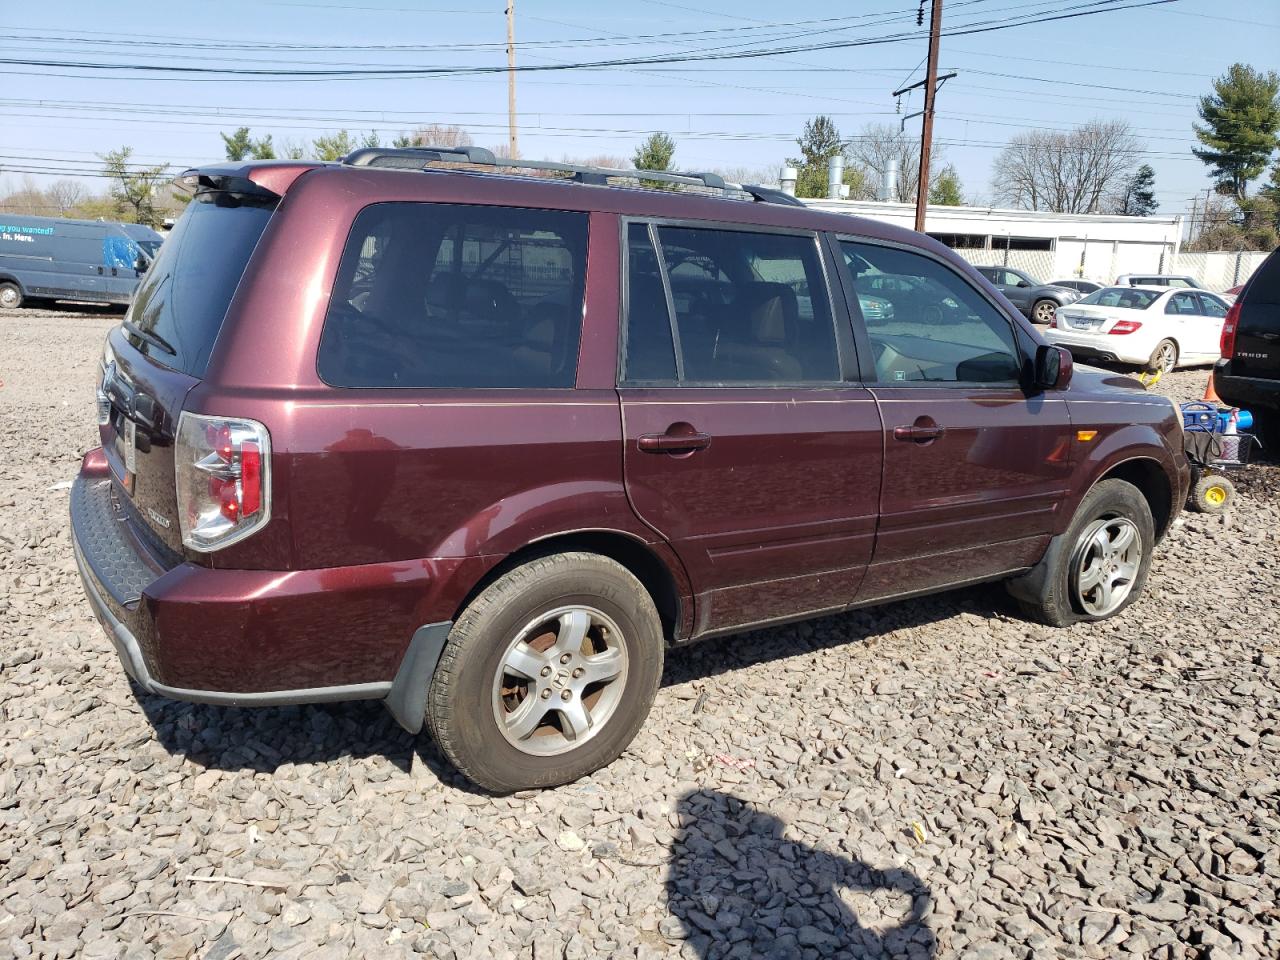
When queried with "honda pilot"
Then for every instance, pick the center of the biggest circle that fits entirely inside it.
(416, 427)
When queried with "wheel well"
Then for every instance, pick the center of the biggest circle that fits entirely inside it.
(1149, 477)
(642, 562)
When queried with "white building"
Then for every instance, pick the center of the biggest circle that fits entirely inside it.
(1050, 246)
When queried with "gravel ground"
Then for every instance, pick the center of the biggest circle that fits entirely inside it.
(935, 778)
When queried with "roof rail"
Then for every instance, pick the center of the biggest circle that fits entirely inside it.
(419, 158)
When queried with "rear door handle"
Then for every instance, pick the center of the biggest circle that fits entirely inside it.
(918, 434)
(673, 443)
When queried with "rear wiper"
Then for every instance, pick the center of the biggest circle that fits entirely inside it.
(152, 338)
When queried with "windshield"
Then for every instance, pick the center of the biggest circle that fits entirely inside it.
(184, 296)
(1126, 298)
(150, 247)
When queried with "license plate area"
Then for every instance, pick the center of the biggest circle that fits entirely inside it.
(126, 445)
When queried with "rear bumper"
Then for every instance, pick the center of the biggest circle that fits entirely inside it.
(1245, 392)
(254, 637)
(1095, 347)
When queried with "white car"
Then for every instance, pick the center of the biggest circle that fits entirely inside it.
(1160, 328)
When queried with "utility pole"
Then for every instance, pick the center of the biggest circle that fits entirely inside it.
(511, 79)
(930, 93)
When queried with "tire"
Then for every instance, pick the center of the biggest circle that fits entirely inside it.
(10, 296)
(1164, 357)
(1053, 592)
(1043, 311)
(1266, 427)
(485, 716)
(1213, 493)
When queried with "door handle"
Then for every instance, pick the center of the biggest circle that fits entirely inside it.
(673, 443)
(918, 434)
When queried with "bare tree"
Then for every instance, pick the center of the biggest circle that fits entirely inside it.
(435, 135)
(65, 195)
(875, 147)
(1075, 171)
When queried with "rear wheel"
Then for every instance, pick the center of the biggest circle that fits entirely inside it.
(1099, 565)
(1212, 494)
(548, 674)
(10, 296)
(1044, 311)
(1164, 357)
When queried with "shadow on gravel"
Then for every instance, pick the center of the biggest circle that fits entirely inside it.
(740, 889)
(262, 739)
(866, 625)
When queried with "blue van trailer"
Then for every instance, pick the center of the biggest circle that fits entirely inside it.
(49, 258)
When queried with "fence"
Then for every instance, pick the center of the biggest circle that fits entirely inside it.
(1102, 262)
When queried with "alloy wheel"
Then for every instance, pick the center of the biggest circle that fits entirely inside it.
(1105, 565)
(1045, 311)
(560, 680)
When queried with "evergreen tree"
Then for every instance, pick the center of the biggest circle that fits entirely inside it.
(1138, 199)
(238, 144)
(945, 189)
(1241, 119)
(333, 147)
(818, 144)
(655, 153)
(263, 149)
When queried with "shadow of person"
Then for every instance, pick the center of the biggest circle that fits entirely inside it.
(741, 889)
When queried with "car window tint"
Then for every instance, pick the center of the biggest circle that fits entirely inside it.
(648, 351)
(750, 307)
(450, 295)
(938, 328)
(1212, 306)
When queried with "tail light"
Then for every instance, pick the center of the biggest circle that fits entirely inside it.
(223, 470)
(1125, 326)
(1227, 345)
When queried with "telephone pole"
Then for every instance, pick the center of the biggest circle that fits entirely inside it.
(511, 79)
(930, 93)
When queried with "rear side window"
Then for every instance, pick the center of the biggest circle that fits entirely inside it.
(926, 323)
(453, 295)
(183, 298)
(749, 307)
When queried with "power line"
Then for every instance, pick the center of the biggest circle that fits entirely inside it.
(147, 70)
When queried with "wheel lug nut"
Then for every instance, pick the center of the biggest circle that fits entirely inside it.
(578, 672)
(566, 695)
(566, 658)
(546, 671)
(546, 694)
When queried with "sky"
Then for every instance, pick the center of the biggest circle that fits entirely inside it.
(1146, 65)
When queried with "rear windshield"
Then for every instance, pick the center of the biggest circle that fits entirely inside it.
(452, 295)
(1124, 297)
(183, 298)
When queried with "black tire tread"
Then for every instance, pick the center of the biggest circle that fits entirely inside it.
(441, 706)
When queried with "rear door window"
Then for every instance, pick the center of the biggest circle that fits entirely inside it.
(943, 331)
(749, 308)
(1182, 303)
(455, 295)
(183, 298)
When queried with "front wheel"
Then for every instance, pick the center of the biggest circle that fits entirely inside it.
(1099, 565)
(548, 674)
(1164, 357)
(10, 296)
(1044, 311)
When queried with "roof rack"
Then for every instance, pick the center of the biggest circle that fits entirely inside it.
(419, 158)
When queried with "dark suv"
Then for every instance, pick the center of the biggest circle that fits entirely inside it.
(1248, 375)
(484, 446)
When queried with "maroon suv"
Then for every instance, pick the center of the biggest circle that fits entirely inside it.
(483, 446)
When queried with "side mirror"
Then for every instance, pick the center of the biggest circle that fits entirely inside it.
(1023, 283)
(140, 265)
(1053, 367)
